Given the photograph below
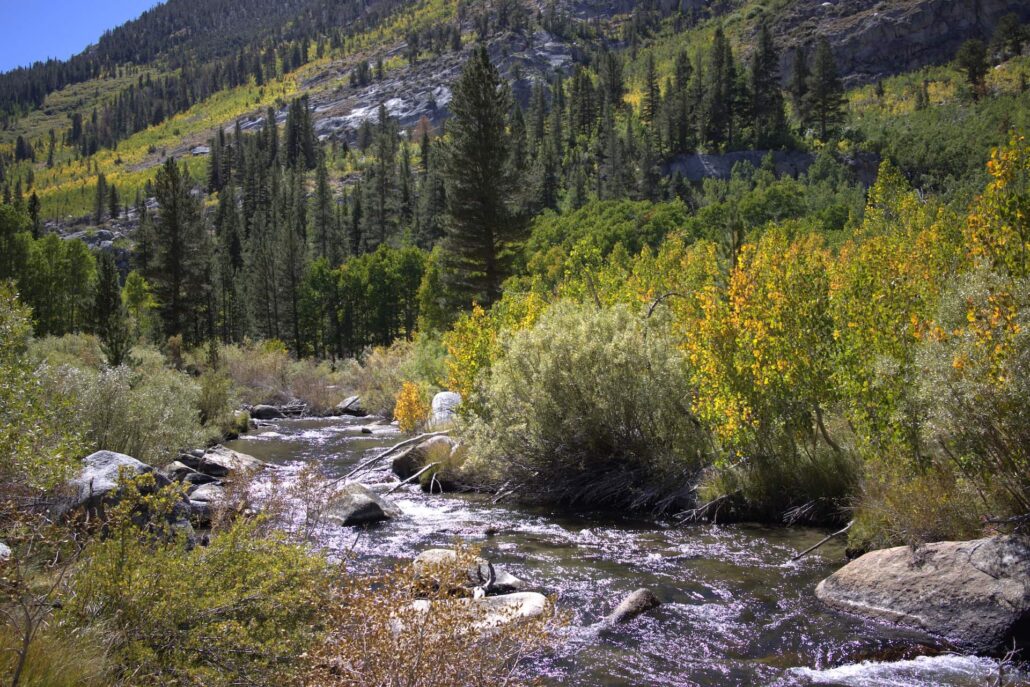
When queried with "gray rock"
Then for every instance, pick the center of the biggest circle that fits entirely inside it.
(177, 471)
(482, 574)
(203, 502)
(975, 594)
(356, 504)
(221, 461)
(198, 478)
(445, 409)
(96, 485)
(640, 601)
(265, 412)
(5, 551)
(351, 406)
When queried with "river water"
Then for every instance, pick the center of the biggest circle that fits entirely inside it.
(736, 611)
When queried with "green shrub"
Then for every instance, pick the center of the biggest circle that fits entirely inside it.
(148, 414)
(39, 438)
(75, 350)
(591, 407)
(244, 608)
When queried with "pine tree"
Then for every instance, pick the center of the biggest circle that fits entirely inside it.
(100, 200)
(768, 120)
(178, 267)
(33, 207)
(652, 93)
(109, 316)
(481, 228)
(971, 58)
(325, 243)
(799, 84)
(824, 101)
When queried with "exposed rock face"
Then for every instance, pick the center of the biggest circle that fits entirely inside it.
(975, 594)
(482, 573)
(416, 457)
(359, 505)
(640, 601)
(445, 409)
(264, 412)
(96, 485)
(876, 38)
(700, 166)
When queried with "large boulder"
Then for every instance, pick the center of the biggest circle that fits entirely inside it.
(266, 412)
(414, 458)
(351, 406)
(97, 484)
(445, 409)
(636, 603)
(974, 594)
(481, 573)
(356, 504)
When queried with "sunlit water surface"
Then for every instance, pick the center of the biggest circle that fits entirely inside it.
(736, 611)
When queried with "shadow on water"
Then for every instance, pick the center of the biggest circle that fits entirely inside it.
(735, 611)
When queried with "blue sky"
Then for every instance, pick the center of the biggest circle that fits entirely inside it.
(33, 30)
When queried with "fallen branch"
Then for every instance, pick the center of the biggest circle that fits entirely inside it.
(410, 479)
(393, 449)
(823, 541)
(695, 514)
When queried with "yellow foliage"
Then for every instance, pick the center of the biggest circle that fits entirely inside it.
(412, 407)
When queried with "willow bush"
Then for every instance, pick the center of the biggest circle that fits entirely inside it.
(591, 407)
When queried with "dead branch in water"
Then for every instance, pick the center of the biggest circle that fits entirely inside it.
(823, 541)
(393, 449)
(411, 479)
(699, 513)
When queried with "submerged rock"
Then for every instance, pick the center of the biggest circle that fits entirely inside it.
(638, 602)
(975, 594)
(358, 505)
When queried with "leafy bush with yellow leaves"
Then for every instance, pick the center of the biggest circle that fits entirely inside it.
(412, 406)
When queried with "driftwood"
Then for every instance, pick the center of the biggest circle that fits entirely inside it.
(410, 479)
(393, 449)
(810, 549)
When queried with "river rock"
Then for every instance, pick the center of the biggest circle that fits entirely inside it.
(975, 594)
(350, 406)
(445, 409)
(414, 458)
(203, 502)
(177, 471)
(478, 574)
(265, 412)
(96, 485)
(220, 461)
(640, 601)
(356, 504)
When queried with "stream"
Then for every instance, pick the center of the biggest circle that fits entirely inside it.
(736, 611)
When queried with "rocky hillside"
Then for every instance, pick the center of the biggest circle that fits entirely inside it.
(876, 38)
